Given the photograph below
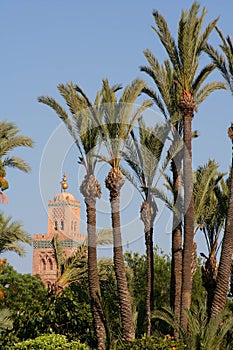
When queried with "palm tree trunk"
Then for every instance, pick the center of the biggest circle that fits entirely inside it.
(94, 286)
(209, 276)
(224, 270)
(146, 218)
(122, 285)
(152, 295)
(114, 182)
(188, 217)
(176, 265)
(148, 284)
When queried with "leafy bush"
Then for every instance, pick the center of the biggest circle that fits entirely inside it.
(49, 342)
(153, 343)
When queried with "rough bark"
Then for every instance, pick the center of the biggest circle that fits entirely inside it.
(209, 277)
(146, 219)
(224, 270)
(91, 189)
(187, 108)
(176, 266)
(114, 182)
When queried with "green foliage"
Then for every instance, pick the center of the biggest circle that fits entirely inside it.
(5, 319)
(110, 299)
(198, 290)
(162, 271)
(202, 334)
(11, 235)
(36, 313)
(49, 342)
(153, 343)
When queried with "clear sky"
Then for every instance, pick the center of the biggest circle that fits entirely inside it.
(45, 43)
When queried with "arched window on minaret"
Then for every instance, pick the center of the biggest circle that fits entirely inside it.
(72, 226)
(50, 264)
(62, 225)
(55, 225)
(43, 264)
(75, 226)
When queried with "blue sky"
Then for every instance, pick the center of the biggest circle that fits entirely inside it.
(45, 43)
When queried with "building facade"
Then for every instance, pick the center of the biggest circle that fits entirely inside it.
(63, 222)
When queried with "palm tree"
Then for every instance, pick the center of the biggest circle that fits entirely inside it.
(224, 64)
(9, 140)
(11, 235)
(72, 269)
(86, 137)
(202, 333)
(119, 119)
(210, 207)
(184, 57)
(143, 157)
(167, 101)
(69, 270)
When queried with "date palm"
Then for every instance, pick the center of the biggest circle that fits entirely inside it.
(224, 63)
(119, 117)
(142, 155)
(72, 269)
(11, 235)
(210, 207)
(166, 99)
(9, 141)
(202, 333)
(184, 57)
(86, 137)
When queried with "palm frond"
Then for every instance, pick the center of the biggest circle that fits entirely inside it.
(16, 162)
(207, 89)
(6, 321)
(166, 38)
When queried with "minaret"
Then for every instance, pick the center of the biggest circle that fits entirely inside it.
(64, 222)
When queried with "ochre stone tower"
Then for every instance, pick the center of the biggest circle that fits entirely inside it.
(63, 221)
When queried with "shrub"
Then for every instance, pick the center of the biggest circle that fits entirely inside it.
(153, 343)
(49, 342)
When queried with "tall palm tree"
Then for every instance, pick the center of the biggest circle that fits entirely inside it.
(184, 57)
(119, 117)
(86, 137)
(143, 155)
(11, 235)
(9, 141)
(210, 207)
(224, 63)
(166, 99)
